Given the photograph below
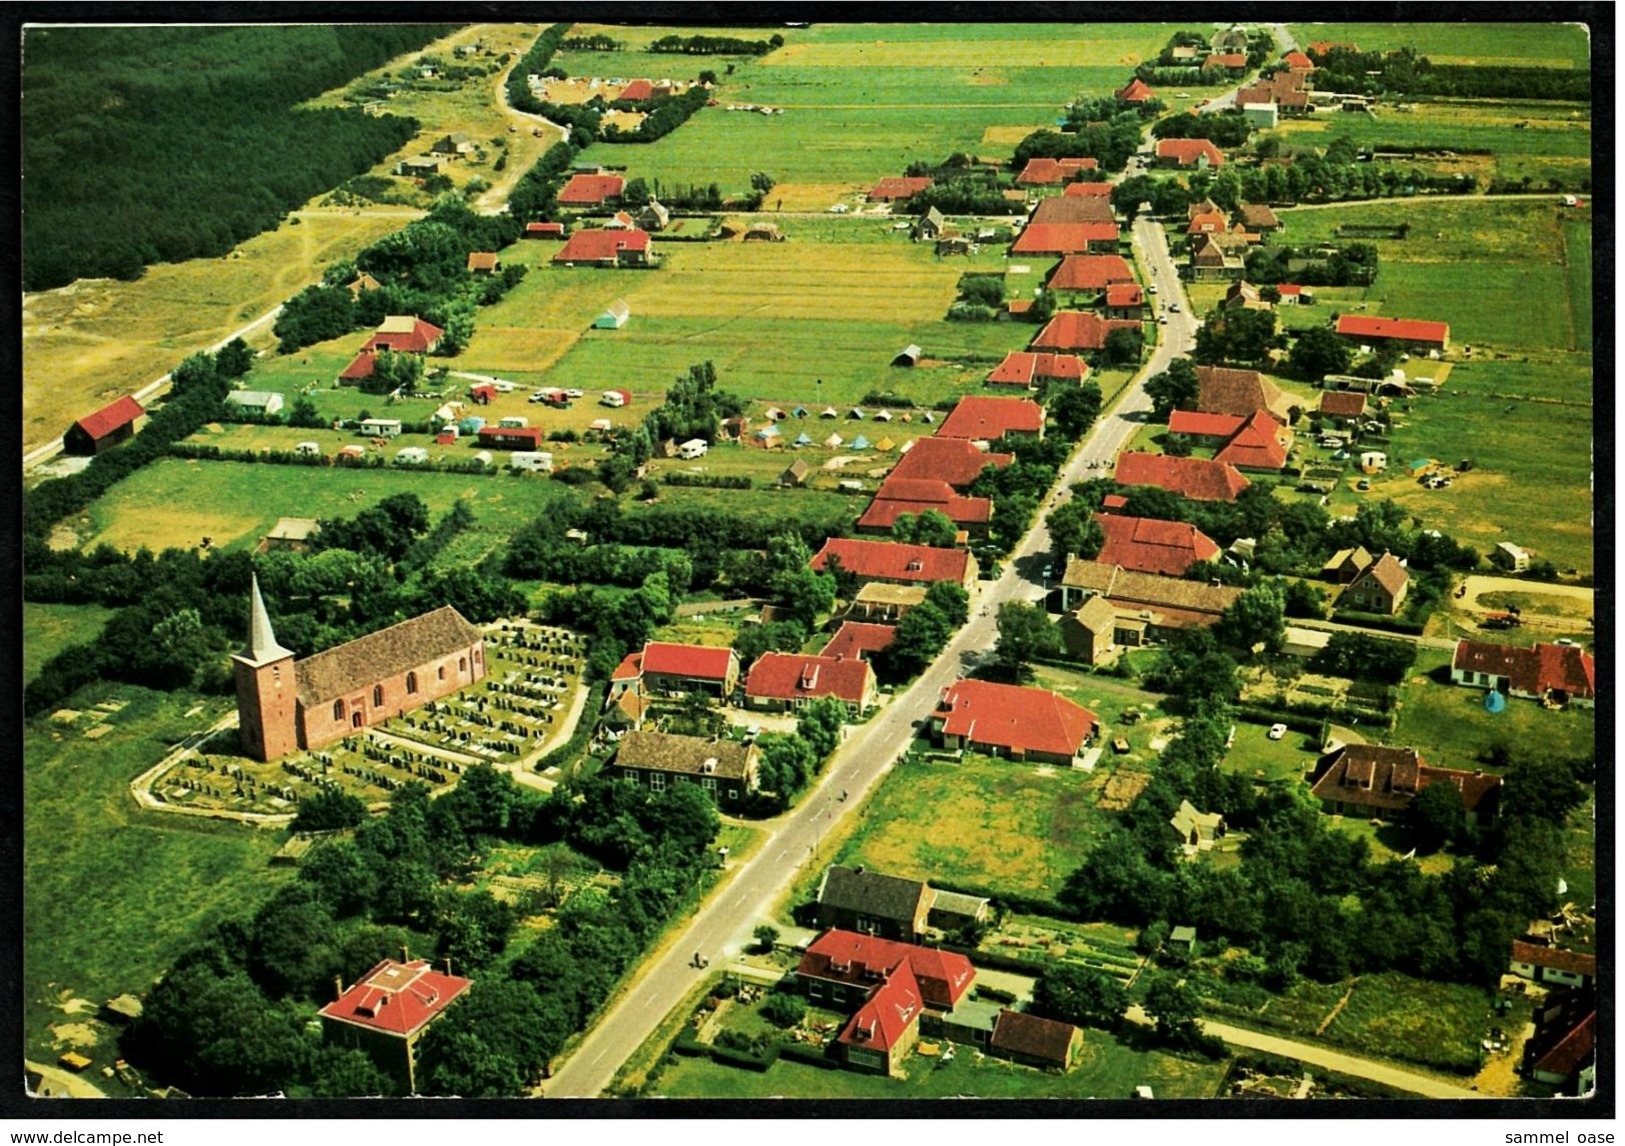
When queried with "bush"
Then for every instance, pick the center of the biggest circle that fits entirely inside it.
(784, 1008)
(811, 1056)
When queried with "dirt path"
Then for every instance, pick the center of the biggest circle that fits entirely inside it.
(1478, 586)
(493, 201)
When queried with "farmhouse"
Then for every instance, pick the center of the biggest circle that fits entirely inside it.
(675, 670)
(1067, 238)
(1146, 545)
(1346, 407)
(106, 428)
(385, 1012)
(404, 334)
(1260, 444)
(1413, 334)
(1125, 302)
(1346, 564)
(1033, 371)
(1544, 964)
(896, 563)
(1210, 261)
(1552, 674)
(1296, 61)
(1243, 295)
(361, 368)
(1258, 217)
(898, 187)
(1035, 1041)
(1563, 1050)
(979, 419)
(876, 904)
(855, 640)
(637, 92)
(1193, 154)
(1074, 330)
(260, 403)
(537, 230)
(1223, 390)
(1089, 631)
(1042, 171)
(1378, 588)
(1007, 720)
(585, 190)
(1194, 478)
(1134, 92)
(1063, 209)
(957, 461)
(605, 248)
(780, 682)
(1090, 273)
(724, 769)
(653, 217)
(930, 225)
(898, 496)
(1147, 606)
(455, 144)
(1369, 780)
(284, 705)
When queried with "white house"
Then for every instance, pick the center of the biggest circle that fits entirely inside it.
(381, 428)
(530, 462)
(614, 316)
(693, 448)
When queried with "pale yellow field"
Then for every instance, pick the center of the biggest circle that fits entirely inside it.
(967, 53)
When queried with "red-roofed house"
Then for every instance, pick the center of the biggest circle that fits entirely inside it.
(1074, 330)
(1194, 153)
(1563, 1052)
(1066, 239)
(1045, 172)
(858, 640)
(637, 91)
(107, 427)
(1006, 720)
(990, 419)
(895, 563)
(1545, 964)
(1092, 273)
(1135, 92)
(591, 190)
(1412, 333)
(1033, 371)
(1298, 62)
(405, 334)
(898, 496)
(953, 460)
(674, 670)
(386, 1011)
(780, 682)
(1233, 62)
(898, 187)
(359, 369)
(1189, 477)
(1089, 190)
(606, 248)
(1371, 780)
(544, 230)
(1125, 302)
(1551, 674)
(1345, 406)
(1147, 545)
(1260, 444)
(1208, 223)
(1204, 429)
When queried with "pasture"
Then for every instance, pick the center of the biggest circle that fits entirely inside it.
(1483, 45)
(48, 629)
(1447, 723)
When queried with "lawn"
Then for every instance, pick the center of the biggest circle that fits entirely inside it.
(113, 893)
(1000, 826)
(1436, 1025)
(1484, 45)
(1255, 754)
(48, 629)
(1449, 726)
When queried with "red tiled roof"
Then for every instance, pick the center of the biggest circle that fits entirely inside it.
(590, 190)
(1151, 546)
(898, 496)
(1573, 962)
(1225, 60)
(601, 246)
(1189, 477)
(1570, 1051)
(953, 460)
(857, 639)
(1089, 190)
(899, 187)
(120, 412)
(1297, 61)
(1008, 717)
(1079, 330)
(1289, 289)
(1198, 425)
(1026, 368)
(1090, 272)
(1257, 445)
(1062, 238)
(797, 676)
(1535, 670)
(843, 956)
(1135, 92)
(637, 91)
(630, 668)
(1045, 172)
(482, 260)
(1185, 151)
(545, 229)
(1409, 329)
(692, 662)
(886, 1016)
(989, 419)
(1113, 501)
(894, 561)
(396, 998)
(1124, 294)
(1207, 223)
(361, 366)
(415, 340)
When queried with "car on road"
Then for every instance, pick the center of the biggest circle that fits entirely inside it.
(1152, 289)
(573, 394)
(1174, 306)
(1277, 731)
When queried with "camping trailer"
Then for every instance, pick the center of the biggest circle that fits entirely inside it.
(531, 462)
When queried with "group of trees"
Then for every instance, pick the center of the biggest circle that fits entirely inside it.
(923, 632)
(228, 1018)
(1018, 488)
(1404, 72)
(1111, 140)
(1354, 264)
(1238, 334)
(106, 100)
(703, 45)
(791, 759)
(1226, 129)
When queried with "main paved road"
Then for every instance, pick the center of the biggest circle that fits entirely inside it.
(722, 925)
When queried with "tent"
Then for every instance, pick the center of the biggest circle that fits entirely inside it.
(885, 445)
(799, 412)
(802, 440)
(860, 443)
(834, 441)
(883, 416)
(1494, 702)
(857, 412)
(829, 412)
(767, 432)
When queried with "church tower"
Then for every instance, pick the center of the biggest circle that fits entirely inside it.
(266, 715)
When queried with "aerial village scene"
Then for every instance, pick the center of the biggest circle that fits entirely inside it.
(814, 561)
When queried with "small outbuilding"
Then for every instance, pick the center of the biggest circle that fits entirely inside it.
(614, 316)
(908, 356)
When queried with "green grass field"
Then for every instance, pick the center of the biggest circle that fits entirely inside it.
(1255, 754)
(1485, 45)
(1436, 1025)
(1449, 726)
(48, 629)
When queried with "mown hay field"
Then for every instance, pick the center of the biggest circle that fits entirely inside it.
(1482, 45)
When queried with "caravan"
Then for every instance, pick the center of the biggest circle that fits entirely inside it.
(693, 448)
(530, 462)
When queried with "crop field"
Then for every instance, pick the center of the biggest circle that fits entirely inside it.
(1484, 45)
(859, 104)
(48, 629)
(1449, 726)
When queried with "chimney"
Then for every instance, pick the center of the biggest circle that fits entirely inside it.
(448, 964)
(406, 956)
(338, 987)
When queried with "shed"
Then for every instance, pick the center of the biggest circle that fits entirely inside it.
(108, 426)
(265, 402)
(796, 474)
(1182, 939)
(908, 356)
(614, 316)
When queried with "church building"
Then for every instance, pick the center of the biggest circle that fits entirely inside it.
(284, 705)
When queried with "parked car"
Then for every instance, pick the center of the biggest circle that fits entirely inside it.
(1174, 306)
(1277, 731)
(1362, 485)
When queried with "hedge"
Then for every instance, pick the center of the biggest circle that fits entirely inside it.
(812, 1056)
(1379, 621)
(759, 1062)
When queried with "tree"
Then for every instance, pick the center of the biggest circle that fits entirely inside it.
(1237, 335)
(1174, 1007)
(1074, 532)
(1174, 389)
(327, 809)
(1436, 817)
(1305, 599)
(933, 527)
(345, 1072)
(1256, 617)
(820, 725)
(1080, 995)
(472, 928)
(1025, 633)
(1071, 408)
(766, 936)
(342, 876)
(1123, 346)
(1319, 351)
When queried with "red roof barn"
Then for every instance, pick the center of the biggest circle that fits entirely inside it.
(1031, 370)
(1189, 153)
(1005, 720)
(1066, 239)
(637, 91)
(544, 230)
(360, 368)
(1088, 190)
(1135, 92)
(989, 419)
(896, 563)
(591, 190)
(1045, 172)
(898, 496)
(107, 427)
(1072, 330)
(1411, 331)
(606, 248)
(898, 187)
(405, 333)
(511, 437)
(1260, 444)
(1147, 545)
(953, 460)
(1189, 477)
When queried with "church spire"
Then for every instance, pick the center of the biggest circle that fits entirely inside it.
(262, 647)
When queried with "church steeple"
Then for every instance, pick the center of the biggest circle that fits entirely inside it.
(262, 647)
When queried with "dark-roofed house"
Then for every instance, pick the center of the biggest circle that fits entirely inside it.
(1034, 370)
(255, 403)
(1062, 209)
(930, 225)
(1370, 780)
(1551, 674)
(873, 903)
(724, 769)
(284, 705)
(1147, 545)
(1543, 964)
(897, 563)
(1259, 218)
(1035, 1041)
(1346, 564)
(1209, 261)
(979, 419)
(1087, 631)
(784, 681)
(386, 1011)
(957, 461)
(1379, 588)
(107, 427)
(1344, 406)
(1195, 478)
(1007, 720)
(1563, 1050)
